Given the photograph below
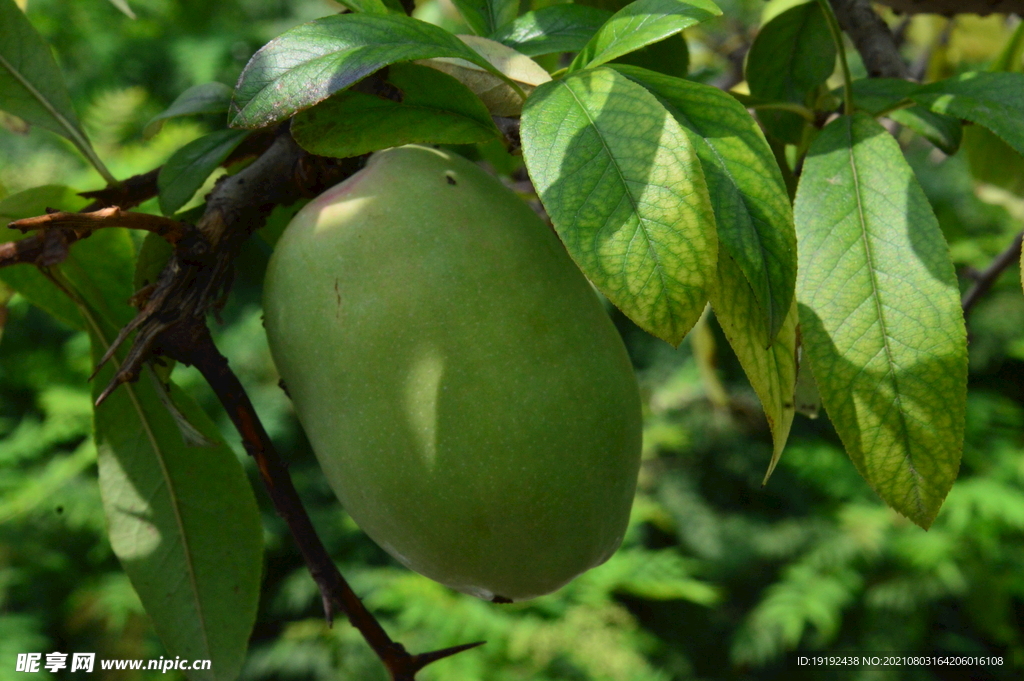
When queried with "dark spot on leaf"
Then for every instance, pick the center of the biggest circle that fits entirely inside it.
(500, 599)
(450, 177)
(59, 509)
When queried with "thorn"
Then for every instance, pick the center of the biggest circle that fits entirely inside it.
(111, 387)
(423, 659)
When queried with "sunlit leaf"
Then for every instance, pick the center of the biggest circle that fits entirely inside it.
(752, 210)
(624, 188)
(557, 28)
(880, 315)
(496, 93)
(993, 100)
(642, 23)
(772, 371)
(876, 95)
(311, 62)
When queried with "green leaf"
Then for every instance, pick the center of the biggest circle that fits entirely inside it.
(670, 56)
(186, 171)
(435, 109)
(880, 315)
(366, 6)
(26, 279)
(993, 100)
(557, 28)
(806, 395)
(748, 194)
(772, 372)
(792, 55)
(641, 23)
(496, 93)
(208, 98)
(624, 189)
(485, 17)
(182, 520)
(945, 132)
(993, 161)
(32, 87)
(878, 95)
(311, 62)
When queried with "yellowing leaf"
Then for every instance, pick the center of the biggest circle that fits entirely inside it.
(496, 94)
(625, 190)
(880, 315)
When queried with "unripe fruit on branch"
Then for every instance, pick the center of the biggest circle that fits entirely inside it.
(468, 398)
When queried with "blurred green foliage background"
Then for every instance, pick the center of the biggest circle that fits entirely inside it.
(717, 578)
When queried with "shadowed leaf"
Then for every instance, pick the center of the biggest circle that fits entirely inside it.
(880, 315)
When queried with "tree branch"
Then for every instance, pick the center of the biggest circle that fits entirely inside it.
(190, 343)
(171, 230)
(172, 322)
(956, 6)
(199, 273)
(51, 247)
(872, 37)
(984, 281)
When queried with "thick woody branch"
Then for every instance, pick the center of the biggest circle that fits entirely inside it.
(956, 6)
(986, 279)
(872, 37)
(191, 344)
(196, 279)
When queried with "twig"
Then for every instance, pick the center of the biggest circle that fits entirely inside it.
(45, 249)
(128, 194)
(50, 247)
(191, 344)
(171, 230)
(872, 38)
(950, 7)
(985, 279)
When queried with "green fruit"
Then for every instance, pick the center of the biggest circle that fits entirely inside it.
(461, 384)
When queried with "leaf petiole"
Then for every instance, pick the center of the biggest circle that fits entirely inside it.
(837, 38)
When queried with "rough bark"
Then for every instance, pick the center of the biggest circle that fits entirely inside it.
(956, 6)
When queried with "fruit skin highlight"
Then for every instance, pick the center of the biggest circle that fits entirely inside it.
(463, 388)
